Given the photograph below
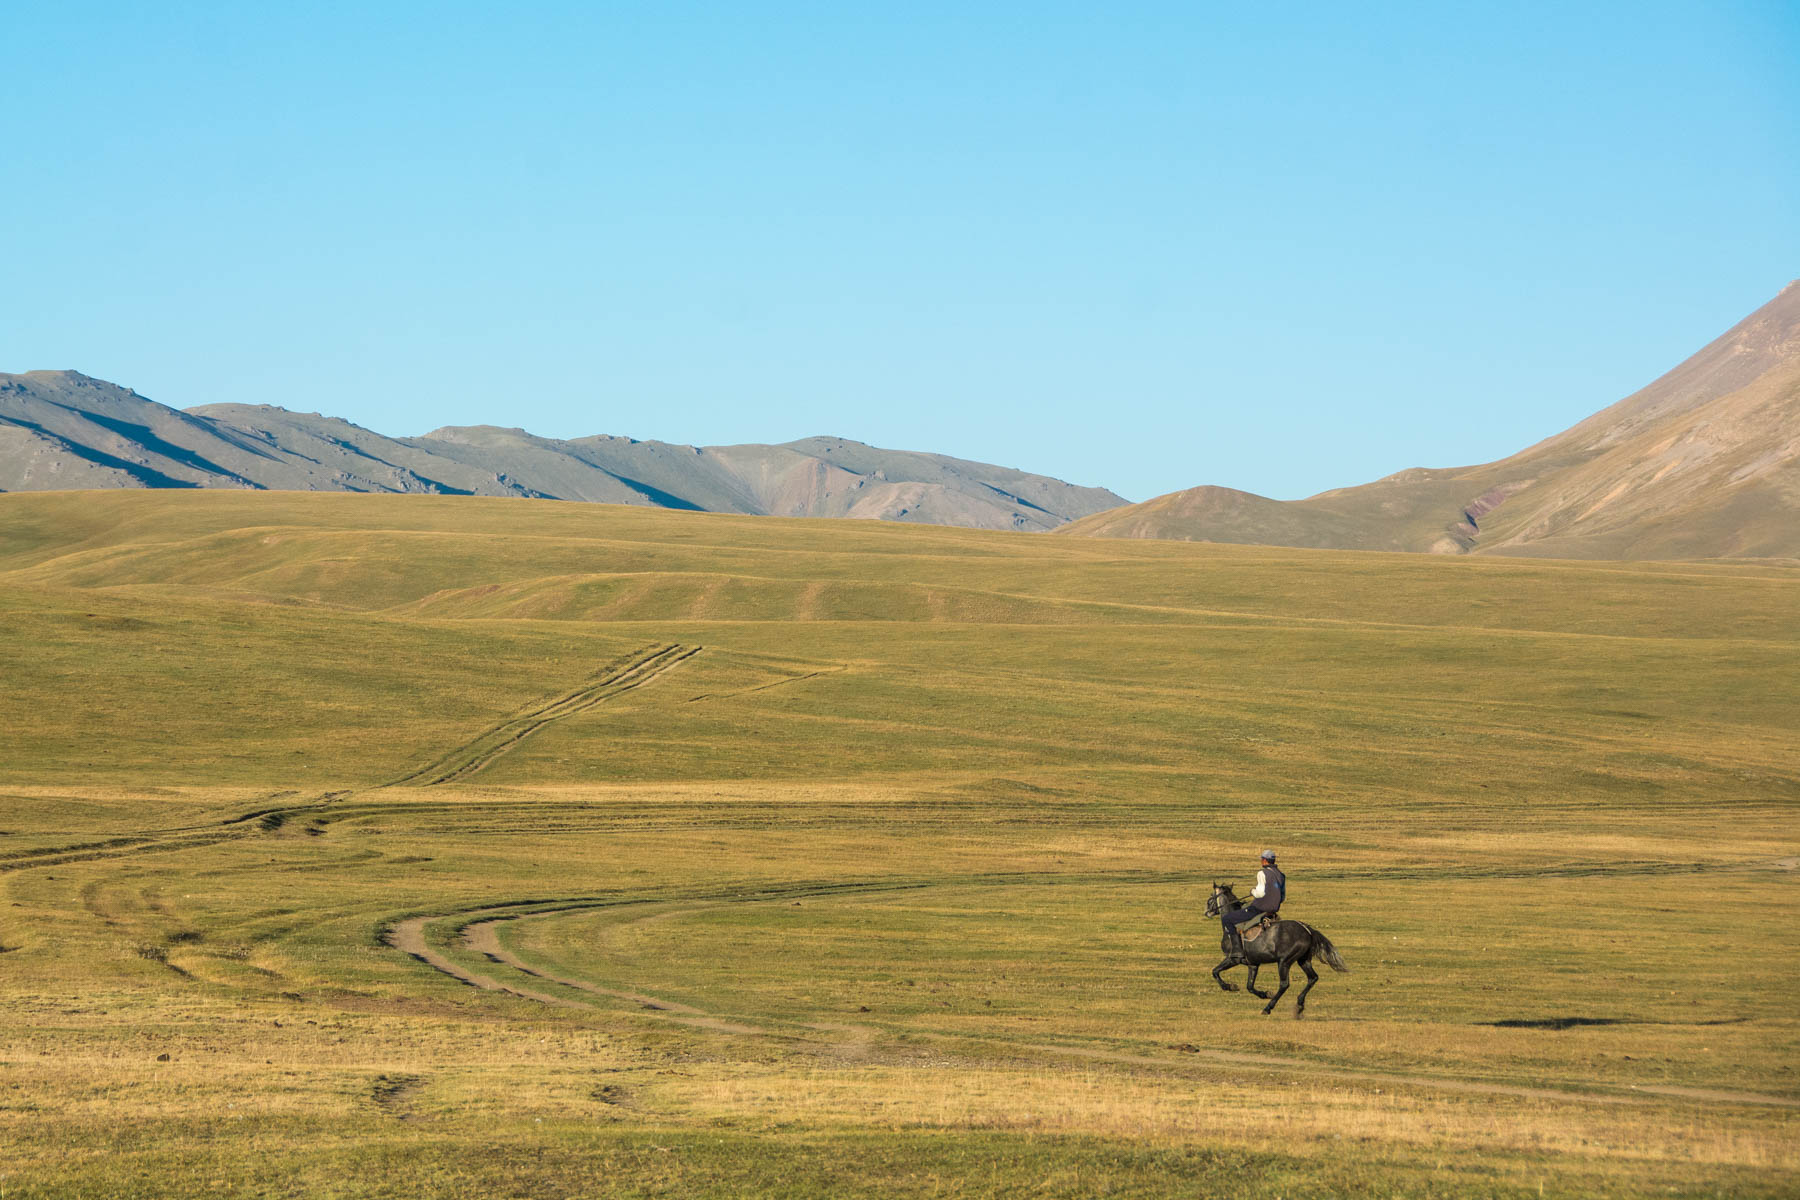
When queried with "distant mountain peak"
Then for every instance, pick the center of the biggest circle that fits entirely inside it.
(1704, 462)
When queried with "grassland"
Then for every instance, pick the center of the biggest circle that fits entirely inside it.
(821, 858)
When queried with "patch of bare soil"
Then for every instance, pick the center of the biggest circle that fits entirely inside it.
(393, 1094)
(409, 937)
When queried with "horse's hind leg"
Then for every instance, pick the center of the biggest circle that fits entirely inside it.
(1250, 984)
(1220, 979)
(1268, 1008)
(1312, 977)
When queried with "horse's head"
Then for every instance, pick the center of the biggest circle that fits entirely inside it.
(1222, 900)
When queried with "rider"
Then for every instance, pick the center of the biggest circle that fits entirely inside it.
(1271, 889)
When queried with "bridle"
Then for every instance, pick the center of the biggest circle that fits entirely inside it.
(1215, 903)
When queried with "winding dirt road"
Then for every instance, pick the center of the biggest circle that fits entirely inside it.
(478, 933)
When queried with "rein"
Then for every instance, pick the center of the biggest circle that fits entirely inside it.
(1222, 902)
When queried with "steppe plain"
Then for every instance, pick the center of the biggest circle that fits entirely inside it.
(402, 846)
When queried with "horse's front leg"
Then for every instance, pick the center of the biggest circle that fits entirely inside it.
(1268, 1008)
(1220, 979)
(1250, 983)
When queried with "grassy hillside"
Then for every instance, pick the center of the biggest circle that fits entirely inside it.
(810, 857)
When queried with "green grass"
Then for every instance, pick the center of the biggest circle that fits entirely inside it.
(921, 836)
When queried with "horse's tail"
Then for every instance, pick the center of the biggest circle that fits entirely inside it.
(1328, 952)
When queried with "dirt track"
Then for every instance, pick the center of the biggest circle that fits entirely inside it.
(622, 675)
(409, 936)
(634, 671)
(478, 934)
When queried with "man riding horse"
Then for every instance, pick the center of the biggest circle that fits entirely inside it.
(1283, 944)
(1265, 901)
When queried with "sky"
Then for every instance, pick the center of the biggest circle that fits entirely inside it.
(1142, 246)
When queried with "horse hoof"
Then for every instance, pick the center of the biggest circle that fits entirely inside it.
(1230, 987)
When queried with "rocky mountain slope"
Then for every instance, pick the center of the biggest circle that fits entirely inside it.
(60, 429)
(1703, 463)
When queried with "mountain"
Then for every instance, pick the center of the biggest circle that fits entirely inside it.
(61, 430)
(1703, 463)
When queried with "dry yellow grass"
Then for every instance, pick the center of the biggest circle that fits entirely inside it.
(974, 784)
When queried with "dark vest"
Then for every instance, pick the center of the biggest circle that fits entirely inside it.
(1274, 893)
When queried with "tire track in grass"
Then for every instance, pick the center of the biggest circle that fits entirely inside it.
(636, 671)
(622, 675)
(162, 841)
(120, 848)
(763, 687)
(477, 933)
(409, 937)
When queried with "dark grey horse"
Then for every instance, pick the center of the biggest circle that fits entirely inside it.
(1286, 944)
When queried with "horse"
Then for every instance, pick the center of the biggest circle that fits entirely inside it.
(1286, 943)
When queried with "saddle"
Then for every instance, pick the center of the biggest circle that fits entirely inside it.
(1252, 930)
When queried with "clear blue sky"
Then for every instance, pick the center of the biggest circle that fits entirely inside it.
(1141, 245)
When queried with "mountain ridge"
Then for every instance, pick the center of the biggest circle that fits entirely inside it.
(1704, 462)
(66, 430)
